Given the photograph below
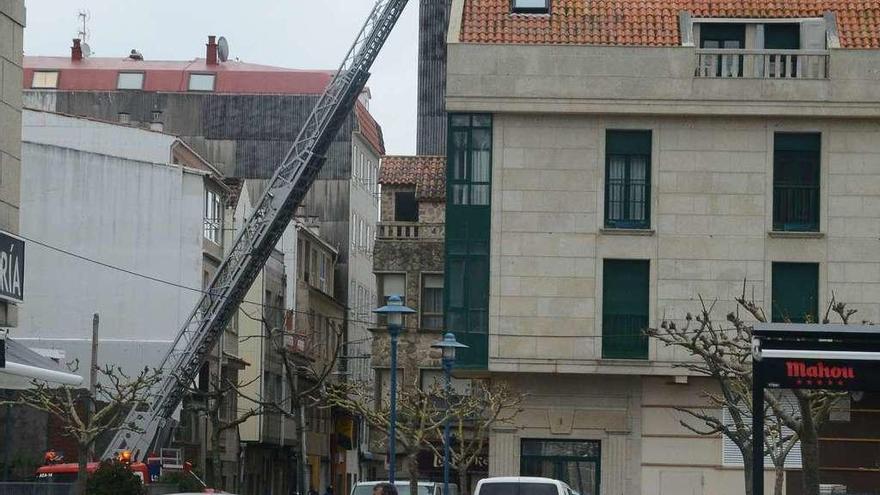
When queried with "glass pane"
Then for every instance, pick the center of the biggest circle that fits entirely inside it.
(461, 120)
(130, 80)
(460, 194)
(638, 188)
(458, 155)
(617, 167)
(456, 283)
(480, 155)
(616, 183)
(711, 44)
(201, 82)
(480, 195)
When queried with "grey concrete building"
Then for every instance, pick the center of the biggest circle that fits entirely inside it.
(12, 21)
(609, 164)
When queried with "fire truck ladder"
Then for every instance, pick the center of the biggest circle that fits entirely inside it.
(258, 237)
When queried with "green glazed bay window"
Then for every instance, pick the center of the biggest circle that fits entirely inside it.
(628, 179)
(575, 462)
(796, 168)
(468, 214)
(625, 294)
(795, 292)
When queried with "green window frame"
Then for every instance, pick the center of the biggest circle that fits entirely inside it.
(795, 292)
(468, 220)
(628, 179)
(577, 463)
(625, 306)
(796, 181)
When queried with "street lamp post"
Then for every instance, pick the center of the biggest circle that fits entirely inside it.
(394, 310)
(448, 346)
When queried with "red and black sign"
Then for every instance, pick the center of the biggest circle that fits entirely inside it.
(817, 374)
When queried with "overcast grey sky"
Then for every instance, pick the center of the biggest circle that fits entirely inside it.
(303, 34)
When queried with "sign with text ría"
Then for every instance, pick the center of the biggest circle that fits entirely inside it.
(11, 267)
(819, 374)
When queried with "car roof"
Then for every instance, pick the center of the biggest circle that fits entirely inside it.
(520, 479)
(398, 482)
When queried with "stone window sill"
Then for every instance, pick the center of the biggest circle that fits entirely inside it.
(640, 232)
(796, 235)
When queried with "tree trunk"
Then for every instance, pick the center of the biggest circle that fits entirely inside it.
(809, 437)
(412, 467)
(302, 474)
(83, 471)
(463, 488)
(216, 472)
(747, 470)
(779, 484)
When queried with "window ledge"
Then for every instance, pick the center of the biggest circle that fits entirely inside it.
(613, 231)
(626, 362)
(796, 235)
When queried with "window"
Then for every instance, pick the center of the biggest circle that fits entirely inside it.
(468, 223)
(796, 168)
(313, 268)
(389, 284)
(432, 302)
(307, 263)
(213, 217)
(406, 208)
(45, 79)
(300, 254)
(782, 37)
(323, 273)
(201, 82)
(430, 378)
(727, 37)
(628, 179)
(625, 286)
(470, 163)
(795, 292)
(130, 80)
(731, 456)
(531, 6)
(575, 462)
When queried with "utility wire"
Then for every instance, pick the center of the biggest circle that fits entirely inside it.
(336, 318)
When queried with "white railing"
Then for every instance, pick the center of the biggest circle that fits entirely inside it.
(410, 231)
(762, 64)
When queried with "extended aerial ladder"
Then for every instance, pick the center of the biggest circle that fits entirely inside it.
(259, 235)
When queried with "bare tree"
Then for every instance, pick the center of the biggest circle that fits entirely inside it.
(472, 417)
(418, 417)
(309, 352)
(115, 394)
(722, 352)
(218, 404)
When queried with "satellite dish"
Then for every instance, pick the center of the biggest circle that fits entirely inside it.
(86, 50)
(223, 49)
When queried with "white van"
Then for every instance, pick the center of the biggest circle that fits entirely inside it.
(425, 487)
(522, 485)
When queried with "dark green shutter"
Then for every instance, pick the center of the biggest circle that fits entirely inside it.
(795, 292)
(625, 294)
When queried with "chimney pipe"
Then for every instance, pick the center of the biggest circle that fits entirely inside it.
(76, 52)
(211, 55)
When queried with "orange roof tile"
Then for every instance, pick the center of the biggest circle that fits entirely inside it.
(427, 173)
(651, 22)
(370, 129)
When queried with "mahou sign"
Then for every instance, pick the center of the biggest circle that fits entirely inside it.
(800, 356)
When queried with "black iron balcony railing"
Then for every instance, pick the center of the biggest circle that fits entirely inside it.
(796, 208)
(623, 337)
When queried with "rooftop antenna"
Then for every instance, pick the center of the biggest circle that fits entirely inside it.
(83, 32)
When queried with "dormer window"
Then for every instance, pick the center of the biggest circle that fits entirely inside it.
(45, 79)
(531, 6)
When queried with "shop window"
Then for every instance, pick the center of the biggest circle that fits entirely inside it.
(575, 462)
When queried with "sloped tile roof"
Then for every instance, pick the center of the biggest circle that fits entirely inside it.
(426, 173)
(370, 129)
(651, 22)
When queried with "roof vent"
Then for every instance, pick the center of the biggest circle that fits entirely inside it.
(135, 55)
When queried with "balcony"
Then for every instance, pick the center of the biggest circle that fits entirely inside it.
(762, 64)
(410, 231)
